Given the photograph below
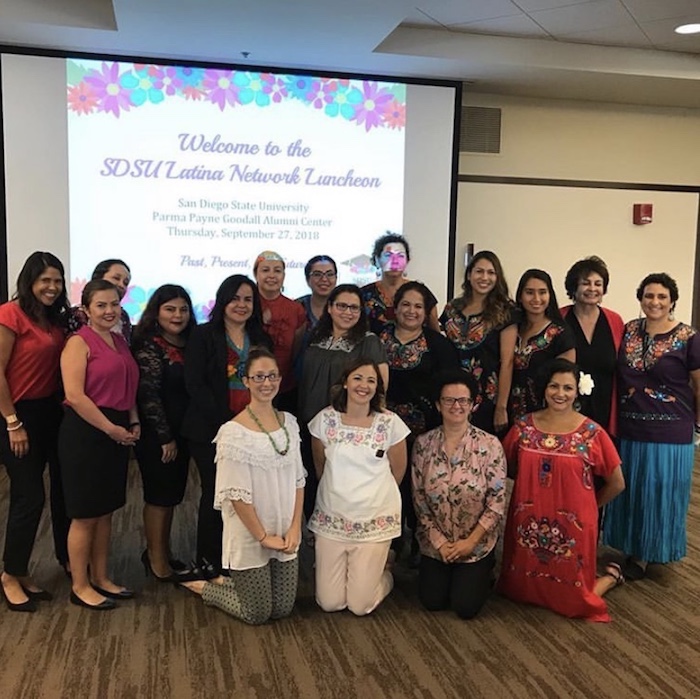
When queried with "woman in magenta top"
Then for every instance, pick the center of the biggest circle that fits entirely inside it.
(100, 378)
(31, 338)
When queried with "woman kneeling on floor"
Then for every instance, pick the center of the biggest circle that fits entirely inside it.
(260, 492)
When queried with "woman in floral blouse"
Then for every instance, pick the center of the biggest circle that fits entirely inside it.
(459, 474)
(158, 344)
(359, 453)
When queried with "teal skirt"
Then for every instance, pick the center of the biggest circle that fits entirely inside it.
(647, 520)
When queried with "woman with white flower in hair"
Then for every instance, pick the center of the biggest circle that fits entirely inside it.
(550, 542)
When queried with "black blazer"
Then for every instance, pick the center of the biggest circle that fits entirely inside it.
(206, 382)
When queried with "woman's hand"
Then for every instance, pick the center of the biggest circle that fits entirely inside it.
(273, 542)
(169, 452)
(500, 419)
(292, 539)
(136, 431)
(445, 551)
(19, 442)
(121, 435)
(459, 550)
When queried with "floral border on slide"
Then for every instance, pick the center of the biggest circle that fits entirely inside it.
(115, 88)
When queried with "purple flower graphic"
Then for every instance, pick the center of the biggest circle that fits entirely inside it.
(275, 87)
(375, 101)
(167, 79)
(220, 88)
(321, 93)
(107, 88)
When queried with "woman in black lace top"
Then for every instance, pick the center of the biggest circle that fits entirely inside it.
(158, 343)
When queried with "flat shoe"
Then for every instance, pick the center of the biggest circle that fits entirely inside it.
(122, 594)
(43, 595)
(101, 607)
(28, 606)
(633, 571)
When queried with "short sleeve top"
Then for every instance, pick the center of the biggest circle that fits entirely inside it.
(250, 470)
(358, 498)
(33, 369)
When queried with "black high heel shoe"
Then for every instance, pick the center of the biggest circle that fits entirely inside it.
(185, 574)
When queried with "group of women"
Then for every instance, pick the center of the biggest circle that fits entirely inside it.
(406, 424)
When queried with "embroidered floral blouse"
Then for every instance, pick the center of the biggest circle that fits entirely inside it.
(358, 498)
(453, 495)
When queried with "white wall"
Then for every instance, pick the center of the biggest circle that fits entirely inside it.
(552, 227)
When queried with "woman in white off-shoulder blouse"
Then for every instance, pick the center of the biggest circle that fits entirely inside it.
(260, 491)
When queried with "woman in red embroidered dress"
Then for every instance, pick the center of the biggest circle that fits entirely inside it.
(549, 554)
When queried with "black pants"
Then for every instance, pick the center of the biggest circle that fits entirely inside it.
(209, 524)
(41, 418)
(462, 587)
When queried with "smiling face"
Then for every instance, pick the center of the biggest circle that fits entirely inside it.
(656, 302)
(393, 258)
(561, 392)
(590, 290)
(455, 405)
(535, 297)
(48, 286)
(410, 313)
(263, 391)
(322, 279)
(240, 307)
(482, 277)
(173, 316)
(361, 386)
(104, 310)
(270, 277)
(120, 277)
(345, 312)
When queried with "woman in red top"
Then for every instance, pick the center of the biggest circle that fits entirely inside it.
(31, 338)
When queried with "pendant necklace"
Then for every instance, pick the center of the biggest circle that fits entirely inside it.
(254, 417)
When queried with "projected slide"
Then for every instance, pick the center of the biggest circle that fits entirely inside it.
(189, 173)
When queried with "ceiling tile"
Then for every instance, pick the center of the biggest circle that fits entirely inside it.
(626, 35)
(534, 5)
(518, 25)
(599, 14)
(647, 10)
(418, 18)
(661, 30)
(682, 44)
(459, 12)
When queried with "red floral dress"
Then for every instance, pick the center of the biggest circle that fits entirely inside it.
(549, 553)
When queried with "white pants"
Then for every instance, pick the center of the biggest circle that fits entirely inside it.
(351, 575)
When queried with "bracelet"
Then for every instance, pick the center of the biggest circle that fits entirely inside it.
(18, 426)
(9, 419)
(134, 424)
(264, 536)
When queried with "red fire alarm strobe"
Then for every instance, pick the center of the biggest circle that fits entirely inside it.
(641, 214)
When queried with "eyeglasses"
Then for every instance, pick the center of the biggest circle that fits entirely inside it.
(273, 377)
(462, 402)
(329, 274)
(351, 307)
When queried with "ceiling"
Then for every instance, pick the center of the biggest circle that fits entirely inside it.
(621, 51)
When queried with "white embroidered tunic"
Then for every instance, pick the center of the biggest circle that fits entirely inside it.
(358, 498)
(250, 470)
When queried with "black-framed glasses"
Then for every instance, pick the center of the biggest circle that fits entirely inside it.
(461, 401)
(272, 377)
(328, 274)
(350, 307)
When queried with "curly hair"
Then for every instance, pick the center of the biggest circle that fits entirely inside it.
(147, 326)
(498, 304)
(324, 327)
(385, 239)
(582, 270)
(664, 280)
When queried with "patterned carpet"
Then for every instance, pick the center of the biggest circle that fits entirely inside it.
(166, 643)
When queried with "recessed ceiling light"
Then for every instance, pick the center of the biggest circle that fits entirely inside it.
(688, 29)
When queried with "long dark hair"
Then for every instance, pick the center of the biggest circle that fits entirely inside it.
(339, 394)
(225, 294)
(34, 266)
(498, 304)
(558, 365)
(324, 327)
(101, 268)
(552, 310)
(147, 326)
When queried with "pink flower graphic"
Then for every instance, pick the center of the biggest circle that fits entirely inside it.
(192, 93)
(220, 88)
(375, 101)
(82, 99)
(274, 87)
(395, 115)
(321, 93)
(166, 78)
(107, 87)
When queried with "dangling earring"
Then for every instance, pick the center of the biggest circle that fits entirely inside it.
(672, 315)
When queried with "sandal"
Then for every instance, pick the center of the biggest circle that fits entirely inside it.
(614, 571)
